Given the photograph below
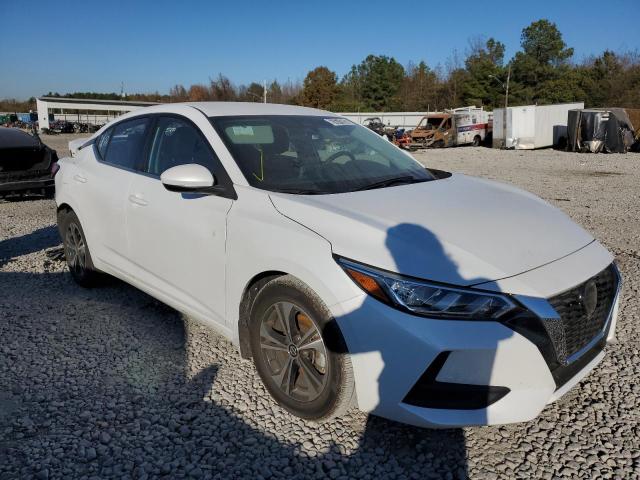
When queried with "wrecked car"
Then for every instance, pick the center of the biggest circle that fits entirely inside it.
(26, 164)
(375, 124)
(602, 130)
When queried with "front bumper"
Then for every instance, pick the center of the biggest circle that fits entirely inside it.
(392, 351)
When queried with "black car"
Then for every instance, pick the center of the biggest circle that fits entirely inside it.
(26, 164)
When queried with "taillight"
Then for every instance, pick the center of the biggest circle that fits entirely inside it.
(54, 168)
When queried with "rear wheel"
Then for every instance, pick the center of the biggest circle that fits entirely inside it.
(76, 250)
(299, 351)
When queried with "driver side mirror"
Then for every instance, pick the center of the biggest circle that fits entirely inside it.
(190, 177)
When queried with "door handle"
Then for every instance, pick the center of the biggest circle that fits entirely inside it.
(79, 178)
(138, 200)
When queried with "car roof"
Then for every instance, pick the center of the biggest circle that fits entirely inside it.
(221, 109)
(16, 138)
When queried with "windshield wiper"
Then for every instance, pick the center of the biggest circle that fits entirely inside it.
(387, 182)
(300, 191)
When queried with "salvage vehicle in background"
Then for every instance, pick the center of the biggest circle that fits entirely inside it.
(62, 126)
(26, 164)
(611, 130)
(349, 273)
(460, 126)
(375, 124)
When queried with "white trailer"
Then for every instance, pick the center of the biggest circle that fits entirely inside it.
(532, 126)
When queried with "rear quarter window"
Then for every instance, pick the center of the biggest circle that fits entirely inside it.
(102, 142)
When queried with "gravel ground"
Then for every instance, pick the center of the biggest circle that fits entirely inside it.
(110, 383)
(60, 142)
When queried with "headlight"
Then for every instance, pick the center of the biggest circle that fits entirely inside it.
(428, 299)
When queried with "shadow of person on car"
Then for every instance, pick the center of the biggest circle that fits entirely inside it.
(398, 361)
(109, 382)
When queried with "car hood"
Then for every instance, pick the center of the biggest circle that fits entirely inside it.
(458, 230)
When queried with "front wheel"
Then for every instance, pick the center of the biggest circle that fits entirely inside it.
(299, 352)
(476, 141)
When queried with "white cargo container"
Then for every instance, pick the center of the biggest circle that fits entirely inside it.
(532, 126)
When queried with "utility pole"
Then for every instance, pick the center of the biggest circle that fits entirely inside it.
(506, 105)
(121, 90)
(264, 91)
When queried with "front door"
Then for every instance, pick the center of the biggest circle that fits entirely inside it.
(177, 240)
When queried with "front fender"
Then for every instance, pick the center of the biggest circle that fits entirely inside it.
(260, 239)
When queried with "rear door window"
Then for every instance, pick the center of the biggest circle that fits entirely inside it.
(126, 145)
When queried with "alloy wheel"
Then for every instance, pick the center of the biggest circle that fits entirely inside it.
(75, 249)
(294, 351)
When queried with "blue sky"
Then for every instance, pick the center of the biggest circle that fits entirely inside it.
(68, 45)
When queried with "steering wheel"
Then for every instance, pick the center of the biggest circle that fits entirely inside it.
(338, 154)
(332, 171)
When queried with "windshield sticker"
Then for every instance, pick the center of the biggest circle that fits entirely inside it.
(337, 121)
(243, 130)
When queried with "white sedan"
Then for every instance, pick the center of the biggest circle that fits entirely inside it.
(349, 273)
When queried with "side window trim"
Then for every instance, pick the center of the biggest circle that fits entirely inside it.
(143, 162)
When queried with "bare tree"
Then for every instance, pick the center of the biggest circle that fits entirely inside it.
(222, 90)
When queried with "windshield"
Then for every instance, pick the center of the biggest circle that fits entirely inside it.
(314, 155)
(431, 124)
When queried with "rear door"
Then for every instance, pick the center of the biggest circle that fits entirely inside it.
(177, 240)
(102, 182)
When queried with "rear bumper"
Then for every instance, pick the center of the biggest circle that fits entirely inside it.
(26, 185)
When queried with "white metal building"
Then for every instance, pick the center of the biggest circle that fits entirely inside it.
(532, 126)
(394, 119)
(83, 110)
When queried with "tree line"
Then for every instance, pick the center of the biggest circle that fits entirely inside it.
(541, 72)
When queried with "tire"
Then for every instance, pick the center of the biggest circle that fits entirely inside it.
(76, 250)
(306, 369)
(476, 141)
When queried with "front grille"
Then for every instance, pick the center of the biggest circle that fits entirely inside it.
(579, 328)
